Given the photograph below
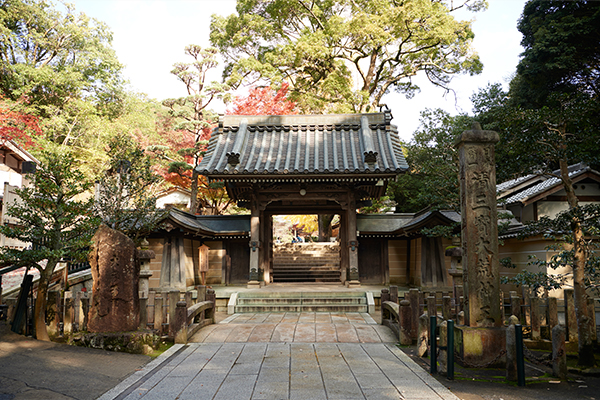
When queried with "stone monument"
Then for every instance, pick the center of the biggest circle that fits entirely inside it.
(482, 338)
(115, 271)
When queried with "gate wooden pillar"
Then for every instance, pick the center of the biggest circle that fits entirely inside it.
(352, 243)
(254, 244)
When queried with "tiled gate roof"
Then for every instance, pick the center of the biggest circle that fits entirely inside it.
(303, 144)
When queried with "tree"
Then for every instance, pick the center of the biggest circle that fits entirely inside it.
(432, 180)
(191, 111)
(51, 217)
(53, 58)
(265, 101)
(554, 111)
(125, 199)
(17, 125)
(321, 48)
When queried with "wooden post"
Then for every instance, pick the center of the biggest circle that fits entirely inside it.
(210, 313)
(405, 323)
(535, 318)
(76, 312)
(394, 294)
(431, 306)
(143, 313)
(179, 323)
(173, 300)
(385, 296)
(446, 307)
(413, 297)
(552, 317)
(158, 315)
(515, 305)
(570, 315)
(85, 307)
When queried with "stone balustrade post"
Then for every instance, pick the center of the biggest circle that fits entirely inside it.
(534, 304)
(201, 293)
(511, 349)
(394, 294)
(385, 296)
(570, 315)
(443, 357)
(180, 323)
(210, 313)
(158, 315)
(405, 322)
(515, 305)
(552, 317)
(423, 335)
(559, 353)
(447, 307)
(431, 306)
(143, 312)
(413, 297)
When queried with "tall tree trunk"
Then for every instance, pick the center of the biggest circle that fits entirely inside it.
(584, 322)
(194, 192)
(325, 227)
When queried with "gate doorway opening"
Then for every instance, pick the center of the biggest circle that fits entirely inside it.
(297, 255)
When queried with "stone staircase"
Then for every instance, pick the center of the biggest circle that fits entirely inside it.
(306, 262)
(301, 302)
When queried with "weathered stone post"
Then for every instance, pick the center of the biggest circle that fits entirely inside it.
(443, 357)
(423, 335)
(405, 323)
(536, 332)
(413, 297)
(511, 349)
(446, 307)
(158, 315)
(431, 305)
(394, 293)
(570, 315)
(210, 314)
(515, 305)
(552, 317)
(559, 354)
(483, 338)
(180, 323)
(385, 296)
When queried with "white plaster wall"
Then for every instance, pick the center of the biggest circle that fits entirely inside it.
(173, 198)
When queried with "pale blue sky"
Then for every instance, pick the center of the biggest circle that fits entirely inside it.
(150, 35)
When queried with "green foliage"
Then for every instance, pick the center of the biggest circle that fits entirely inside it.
(559, 230)
(52, 58)
(192, 116)
(125, 199)
(446, 231)
(52, 217)
(433, 178)
(321, 48)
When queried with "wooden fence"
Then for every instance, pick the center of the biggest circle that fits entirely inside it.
(67, 312)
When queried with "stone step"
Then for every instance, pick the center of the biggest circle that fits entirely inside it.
(306, 267)
(269, 301)
(301, 308)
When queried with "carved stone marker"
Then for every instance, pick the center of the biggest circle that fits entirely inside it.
(115, 271)
(479, 227)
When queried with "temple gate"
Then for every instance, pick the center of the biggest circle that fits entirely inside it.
(304, 164)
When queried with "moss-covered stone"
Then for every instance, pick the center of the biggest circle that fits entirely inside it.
(139, 342)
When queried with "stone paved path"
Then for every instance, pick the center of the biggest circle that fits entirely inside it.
(296, 327)
(285, 356)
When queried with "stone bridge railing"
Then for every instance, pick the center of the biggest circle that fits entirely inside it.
(189, 320)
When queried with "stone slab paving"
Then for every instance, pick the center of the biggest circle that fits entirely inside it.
(269, 370)
(285, 356)
(296, 327)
